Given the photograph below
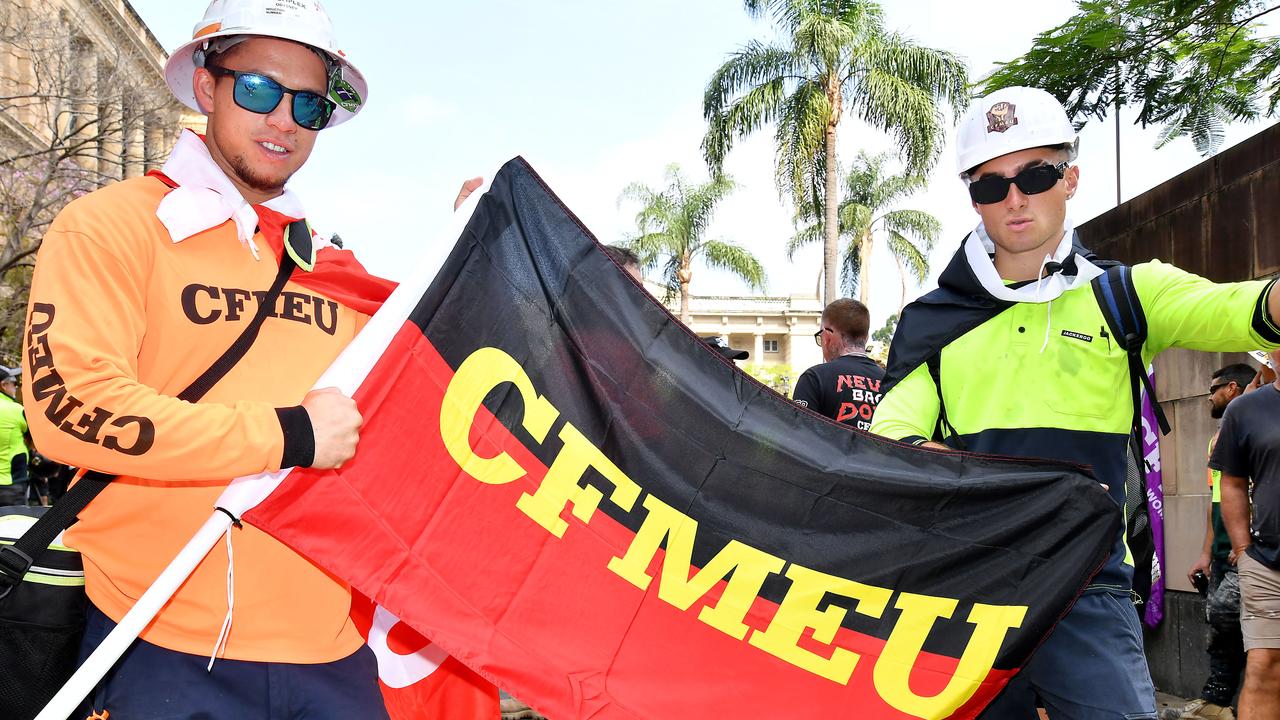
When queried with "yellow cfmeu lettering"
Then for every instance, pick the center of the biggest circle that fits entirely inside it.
(484, 370)
(799, 612)
(919, 613)
(748, 565)
(560, 486)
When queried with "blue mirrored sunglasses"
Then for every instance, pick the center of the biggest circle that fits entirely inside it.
(260, 94)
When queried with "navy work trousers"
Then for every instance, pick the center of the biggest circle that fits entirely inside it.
(158, 684)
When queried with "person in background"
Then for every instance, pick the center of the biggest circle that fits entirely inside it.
(846, 387)
(627, 259)
(14, 479)
(1247, 454)
(1216, 577)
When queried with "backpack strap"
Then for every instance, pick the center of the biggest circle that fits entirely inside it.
(944, 429)
(17, 558)
(1120, 305)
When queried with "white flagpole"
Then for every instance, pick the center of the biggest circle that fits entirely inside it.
(346, 373)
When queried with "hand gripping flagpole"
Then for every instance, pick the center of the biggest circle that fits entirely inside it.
(346, 373)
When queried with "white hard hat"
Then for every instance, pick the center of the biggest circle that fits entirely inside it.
(1009, 120)
(302, 21)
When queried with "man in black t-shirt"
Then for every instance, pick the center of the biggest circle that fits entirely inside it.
(845, 388)
(1222, 593)
(1248, 452)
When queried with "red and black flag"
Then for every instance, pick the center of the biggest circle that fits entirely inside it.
(562, 487)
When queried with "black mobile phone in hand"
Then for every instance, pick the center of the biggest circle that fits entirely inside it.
(1200, 581)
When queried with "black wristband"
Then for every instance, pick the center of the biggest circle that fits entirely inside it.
(299, 438)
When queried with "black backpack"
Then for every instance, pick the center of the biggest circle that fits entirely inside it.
(1123, 310)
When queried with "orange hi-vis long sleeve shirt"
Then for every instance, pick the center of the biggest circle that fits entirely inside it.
(121, 320)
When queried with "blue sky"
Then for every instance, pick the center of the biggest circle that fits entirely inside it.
(597, 94)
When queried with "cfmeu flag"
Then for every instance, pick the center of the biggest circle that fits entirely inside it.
(417, 677)
(569, 493)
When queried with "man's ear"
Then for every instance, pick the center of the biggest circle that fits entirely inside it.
(203, 84)
(1072, 178)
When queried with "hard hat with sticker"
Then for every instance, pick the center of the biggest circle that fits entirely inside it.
(1009, 120)
(300, 21)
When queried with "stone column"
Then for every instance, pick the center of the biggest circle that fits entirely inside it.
(111, 134)
(155, 149)
(82, 119)
(801, 350)
(135, 142)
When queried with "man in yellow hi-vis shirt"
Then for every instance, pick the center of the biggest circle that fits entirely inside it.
(13, 446)
(1028, 364)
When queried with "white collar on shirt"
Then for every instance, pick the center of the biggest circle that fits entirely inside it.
(205, 198)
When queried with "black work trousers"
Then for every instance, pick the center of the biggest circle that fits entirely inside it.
(1226, 645)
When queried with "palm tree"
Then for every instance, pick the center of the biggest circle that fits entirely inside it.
(839, 55)
(869, 193)
(672, 224)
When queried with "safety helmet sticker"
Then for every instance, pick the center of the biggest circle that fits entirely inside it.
(1001, 117)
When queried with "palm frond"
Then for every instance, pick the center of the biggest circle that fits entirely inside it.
(824, 41)
(743, 95)
(906, 112)
(723, 255)
(671, 279)
(912, 257)
(897, 187)
(915, 223)
(855, 218)
(673, 223)
(940, 73)
(807, 235)
(700, 202)
(850, 270)
(800, 160)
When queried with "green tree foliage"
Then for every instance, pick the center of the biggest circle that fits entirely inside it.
(1189, 65)
(865, 212)
(838, 56)
(885, 334)
(776, 377)
(672, 225)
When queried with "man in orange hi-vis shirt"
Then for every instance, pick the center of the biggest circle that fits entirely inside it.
(138, 289)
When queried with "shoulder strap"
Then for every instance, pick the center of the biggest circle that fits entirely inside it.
(944, 429)
(1122, 309)
(16, 559)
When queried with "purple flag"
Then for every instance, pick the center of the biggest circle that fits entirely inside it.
(1154, 610)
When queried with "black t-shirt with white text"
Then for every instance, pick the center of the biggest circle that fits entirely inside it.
(1249, 447)
(846, 389)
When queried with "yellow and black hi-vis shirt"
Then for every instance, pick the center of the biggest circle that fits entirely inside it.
(1047, 380)
(13, 425)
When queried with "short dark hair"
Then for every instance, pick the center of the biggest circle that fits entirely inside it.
(1239, 373)
(622, 256)
(850, 318)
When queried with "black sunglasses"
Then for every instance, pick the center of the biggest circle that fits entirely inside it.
(1032, 181)
(1214, 388)
(260, 94)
